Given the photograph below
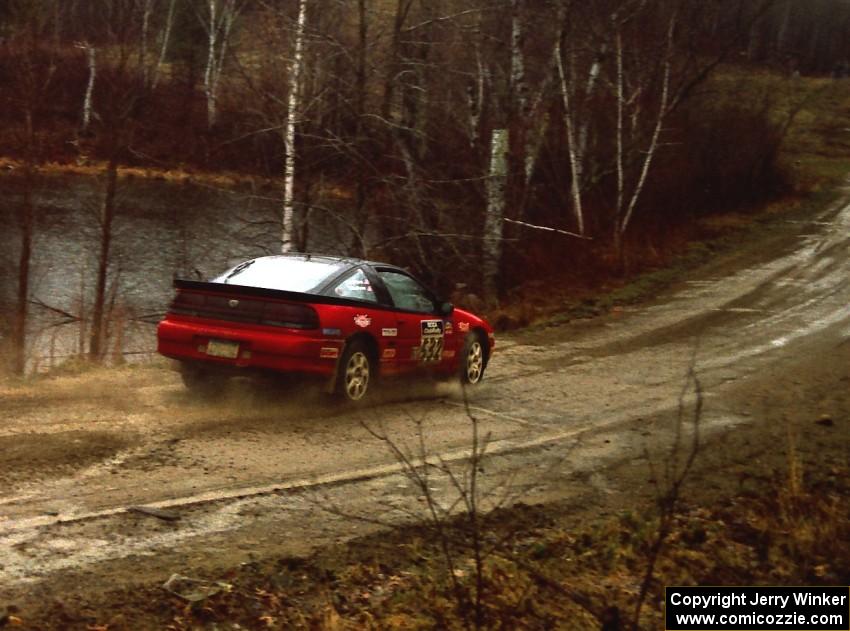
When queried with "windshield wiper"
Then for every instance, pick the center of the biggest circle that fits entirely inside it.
(238, 270)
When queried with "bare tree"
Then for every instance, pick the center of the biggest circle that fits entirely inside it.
(576, 155)
(496, 185)
(91, 63)
(295, 73)
(35, 72)
(154, 74)
(456, 514)
(677, 471)
(218, 23)
(361, 218)
(147, 9)
(627, 199)
(121, 92)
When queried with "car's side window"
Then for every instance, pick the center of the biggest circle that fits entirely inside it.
(356, 287)
(407, 293)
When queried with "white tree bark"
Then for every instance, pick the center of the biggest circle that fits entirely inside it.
(584, 123)
(294, 104)
(218, 35)
(163, 50)
(518, 87)
(649, 154)
(576, 159)
(147, 8)
(476, 99)
(651, 149)
(624, 215)
(91, 61)
(210, 71)
(537, 135)
(495, 214)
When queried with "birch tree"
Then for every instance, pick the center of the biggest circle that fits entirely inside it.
(91, 64)
(147, 9)
(494, 217)
(578, 84)
(576, 156)
(629, 192)
(154, 74)
(505, 141)
(218, 23)
(405, 118)
(288, 241)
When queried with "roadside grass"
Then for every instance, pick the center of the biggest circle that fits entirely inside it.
(79, 379)
(546, 573)
(815, 147)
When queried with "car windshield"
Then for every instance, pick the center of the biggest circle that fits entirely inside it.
(287, 273)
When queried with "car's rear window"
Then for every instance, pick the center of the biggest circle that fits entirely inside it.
(287, 273)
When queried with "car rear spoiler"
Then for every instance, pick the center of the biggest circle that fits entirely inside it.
(277, 294)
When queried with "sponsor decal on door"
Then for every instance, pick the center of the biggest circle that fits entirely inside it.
(431, 347)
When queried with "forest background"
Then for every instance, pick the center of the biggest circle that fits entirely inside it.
(495, 148)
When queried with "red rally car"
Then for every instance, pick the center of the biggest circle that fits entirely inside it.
(344, 319)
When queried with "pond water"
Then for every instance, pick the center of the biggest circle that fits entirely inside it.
(162, 230)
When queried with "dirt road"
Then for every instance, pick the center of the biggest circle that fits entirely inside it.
(256, 473)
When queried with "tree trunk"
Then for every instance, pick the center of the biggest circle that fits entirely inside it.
(783, 27)
(496, 184)
(576, 159)
(361, 217)
(163, 51)
(624, 215)
(96, 338)
(518, 116)
(26, 221)
(402, 9)
(87, 100)
(143, 43)
(218, 36)
(210, 72)
(288, 243)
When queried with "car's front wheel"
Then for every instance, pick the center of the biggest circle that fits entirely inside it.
(355, 372)
(472, 361)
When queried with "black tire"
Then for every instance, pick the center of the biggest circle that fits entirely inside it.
(202, 382)
(473, 360)
(356, 372)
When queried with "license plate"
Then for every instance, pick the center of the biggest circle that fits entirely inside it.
(223, 348)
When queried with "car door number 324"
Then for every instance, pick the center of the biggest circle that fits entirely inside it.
(431, 349)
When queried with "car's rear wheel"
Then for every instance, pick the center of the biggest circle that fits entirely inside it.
(473, 361)
(355, 372)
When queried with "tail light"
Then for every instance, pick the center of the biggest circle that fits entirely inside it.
(290, 315)
(249, 310)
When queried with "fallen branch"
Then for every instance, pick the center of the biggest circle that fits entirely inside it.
(548, 229)
(70, 316)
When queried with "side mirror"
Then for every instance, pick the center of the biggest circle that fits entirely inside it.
(446, 309)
